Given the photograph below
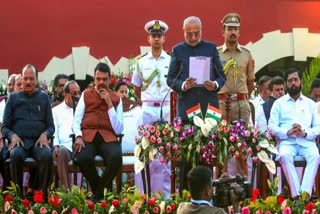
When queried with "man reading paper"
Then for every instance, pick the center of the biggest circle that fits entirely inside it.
(195, 70)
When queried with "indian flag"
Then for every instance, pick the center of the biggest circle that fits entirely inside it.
(214, 113)
(194, 111)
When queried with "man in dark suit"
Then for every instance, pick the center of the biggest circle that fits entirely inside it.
(190, 90)
(28, 124)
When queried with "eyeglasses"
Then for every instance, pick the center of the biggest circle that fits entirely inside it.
(75, 93)
(190, 34)
(295, 79)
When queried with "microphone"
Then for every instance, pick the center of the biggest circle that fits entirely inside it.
(162, 121)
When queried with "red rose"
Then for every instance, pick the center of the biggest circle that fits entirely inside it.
(155, 210)
(8, 198)
(115, 203)
(26, 203)
(168, 210)
(38, 197)
(151, 202)
(309, 207)
(53, 199)
(280, 200)
(255, 192)
(173, 207)
(91, 206)
(103, 204)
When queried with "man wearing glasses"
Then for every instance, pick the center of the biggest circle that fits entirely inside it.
(28, 124)
(62, 118)
(189, 60)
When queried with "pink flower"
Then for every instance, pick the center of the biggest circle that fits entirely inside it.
(168, 155)
(43, 210)
(258, 148)
(168, 146)
(54, 212)
(175, 147)
(141, 133)
(159, 140)
(232, 139)
(153, 139)
(247, 133)
(147, 134)
(136, 139)
(232, 149)
(74, 211)
(13, 211)
(158, 133)
(156, 209)
(268, 212)
(254, 140)
(245, 210)
(237, 154)
(219, 129)
(168, 210)
(171, 135)
(314, 211)
(161, 148)
(243, 144)
(226, 129)
(239, 145)
(305, 212)
(162, 160)
(255, 159)
(287, 210)
(249, 150)
(164, 131)
(152, 129)
(30, 212)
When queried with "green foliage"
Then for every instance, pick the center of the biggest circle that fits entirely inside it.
(310, 74)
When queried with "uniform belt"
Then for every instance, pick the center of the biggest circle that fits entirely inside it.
(155, 104)
(234, 97)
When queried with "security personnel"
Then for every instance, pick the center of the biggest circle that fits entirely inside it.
(151, 87)
(239, 70)
(238, 67)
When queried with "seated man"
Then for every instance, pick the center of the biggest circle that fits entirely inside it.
(28, 124)
(97, 121)
(294, 120)
(200, 186)
(63, 117)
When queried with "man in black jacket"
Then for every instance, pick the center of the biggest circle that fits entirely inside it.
(28, 124)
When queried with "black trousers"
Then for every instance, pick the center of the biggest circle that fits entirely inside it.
(4, 168)
(41, 174)
(111, 153)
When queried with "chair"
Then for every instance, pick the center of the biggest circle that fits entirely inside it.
(299, 161)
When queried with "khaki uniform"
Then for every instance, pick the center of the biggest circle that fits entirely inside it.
(236, 83)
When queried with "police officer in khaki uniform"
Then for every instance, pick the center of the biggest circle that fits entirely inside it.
(239, 70)
(238, 67)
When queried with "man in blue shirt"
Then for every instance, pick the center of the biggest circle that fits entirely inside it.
(294, 120)
(190, 91)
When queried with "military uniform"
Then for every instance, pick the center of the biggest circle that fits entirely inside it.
(236, 83)
(149, 75)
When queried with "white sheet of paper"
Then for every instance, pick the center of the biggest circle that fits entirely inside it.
(199, 68)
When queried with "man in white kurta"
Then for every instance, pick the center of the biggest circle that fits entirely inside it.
(295, 121)
(150, 86)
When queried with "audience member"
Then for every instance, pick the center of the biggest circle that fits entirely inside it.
(59, 81)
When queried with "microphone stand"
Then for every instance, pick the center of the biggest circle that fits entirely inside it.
(162, 121)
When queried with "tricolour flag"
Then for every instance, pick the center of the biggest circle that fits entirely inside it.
(214, 113)
(194, 111)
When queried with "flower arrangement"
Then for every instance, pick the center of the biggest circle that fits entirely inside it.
(157, 140)
(274, 204)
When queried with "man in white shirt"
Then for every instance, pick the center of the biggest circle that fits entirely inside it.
(62, 118)
(295, 121)
(262, 114)
(264, 91)
(150, 86)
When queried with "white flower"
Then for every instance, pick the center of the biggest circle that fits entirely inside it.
(145, 143)
(137, 150)
(264, 143)
(205, 130)
(198, 148)
(273, 149)
(138, 166)
(152, 153)
(210, 123)
(190, 147)
(271, 166)
(263, 156)
(198, 121)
